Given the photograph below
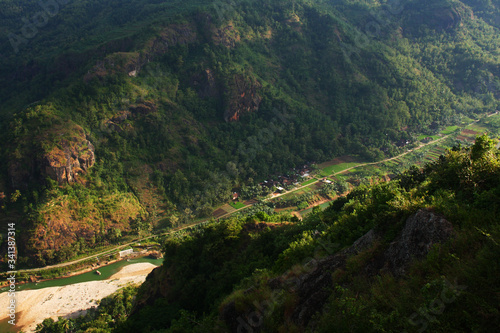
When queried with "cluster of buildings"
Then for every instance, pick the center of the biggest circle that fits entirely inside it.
(280, 182)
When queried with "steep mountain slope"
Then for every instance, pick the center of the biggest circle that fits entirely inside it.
(118, 116)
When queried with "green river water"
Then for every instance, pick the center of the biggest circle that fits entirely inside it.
(106, 272)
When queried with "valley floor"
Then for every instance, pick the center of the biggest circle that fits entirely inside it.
(33, 306)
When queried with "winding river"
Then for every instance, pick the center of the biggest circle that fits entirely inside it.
(106, 272)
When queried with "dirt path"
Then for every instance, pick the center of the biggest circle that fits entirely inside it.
(221, 216)
(250, 204)
(107, 251)
(395, 157)
(361, 165)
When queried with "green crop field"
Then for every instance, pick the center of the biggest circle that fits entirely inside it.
(449, 130)
(434, 154)
(237, 205)
(310, 181)
(337, 168)
(476, 127)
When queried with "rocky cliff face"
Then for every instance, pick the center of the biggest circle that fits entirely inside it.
(241, 91)
(227, 35)
(66, 164)
(444, 19)
(131, 62)
(437, 15)
(63, 155)
(243, 97)
(312, 290)
(116, 123)
(71, 157)
(421, 232)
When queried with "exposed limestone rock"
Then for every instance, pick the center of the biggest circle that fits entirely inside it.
(132, 62)
(362, 243)
(119, 62)
(444, 19)
(421, 232)
(436, 15)
(243, 97)
(116, 123)
(312, 289)
(228, 36)
(64, 164)
(62, 154)
(174, 34)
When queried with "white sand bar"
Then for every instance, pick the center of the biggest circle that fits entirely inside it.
(33, 306)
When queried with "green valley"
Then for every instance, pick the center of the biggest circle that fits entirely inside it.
(390, 257)
(214, 127)
(141, 124)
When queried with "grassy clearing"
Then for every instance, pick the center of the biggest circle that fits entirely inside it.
(340, 177)
(337, 168)
(291, 195)
(310, 181)
(237, 205)
(338, 160)
(477, 128)
(449, 130)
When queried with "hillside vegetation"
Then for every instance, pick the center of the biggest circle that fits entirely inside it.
(119, 118)
(414, 254)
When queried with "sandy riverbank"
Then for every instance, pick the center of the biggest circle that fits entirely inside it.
(33, 306)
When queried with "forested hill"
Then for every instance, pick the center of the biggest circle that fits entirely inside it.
(119, 117)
